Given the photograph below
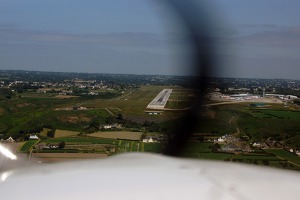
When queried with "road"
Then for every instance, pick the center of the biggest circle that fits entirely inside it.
(259, 100)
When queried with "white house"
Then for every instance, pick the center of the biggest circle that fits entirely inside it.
(221, 140)
(107, 126)
(10, 140)
(149, 139)
(256, 144)
(33, 137)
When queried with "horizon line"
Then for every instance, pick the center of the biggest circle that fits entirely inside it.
(178, 75)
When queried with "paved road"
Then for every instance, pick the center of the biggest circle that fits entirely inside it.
(160, 100)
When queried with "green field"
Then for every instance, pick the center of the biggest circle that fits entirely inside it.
(26, 147)
(82, 140)
(203, 151)
(133, 102)
(285, 155)
(33, 112)
(178, 104)
(274, 122)
(128, 146)
(279, 114)
(39, 113)
(91, 145)
(199, 150)
(152, 147)
(38, 110)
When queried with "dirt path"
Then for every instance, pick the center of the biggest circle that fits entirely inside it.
(288, 161)
(222, 103)
(237, 131)
(109, 112)
(231, 120)
(115, 108)
(123, 96)
(261, 100)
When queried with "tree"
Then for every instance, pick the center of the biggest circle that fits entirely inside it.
(200, 138)
(255, 162)
(110, 120)
(51, 133)
(265, 162)
(62, 145)
(215, 147)
(93, 127)
(154, 127)
(146, 123)
(143, 136)
(120, 116)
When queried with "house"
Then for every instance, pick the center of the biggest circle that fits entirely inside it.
(46, 146)
(40, 146)
(107, 126)
(110, 126)
(118, 126)
(150, 139)
(256, 144)
(33, 137)
(10, 140)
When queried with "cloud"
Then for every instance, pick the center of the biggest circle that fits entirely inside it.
(125, 39)
(267, 26)
(289, 37)
(125, 52)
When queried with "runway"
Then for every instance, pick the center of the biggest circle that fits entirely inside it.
(160, 100)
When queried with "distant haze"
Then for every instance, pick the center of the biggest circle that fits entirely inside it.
(255, 39)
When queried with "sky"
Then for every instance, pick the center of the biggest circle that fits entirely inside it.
(253, 39)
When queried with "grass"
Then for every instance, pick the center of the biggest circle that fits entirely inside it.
(196, 147)
(134, 102)
(178, 104)
(153, 147)
(256, 157)
(181, 98)
(285, 155)
(214, 156)
(203, 151)
(128, 146)
(27, 146)
(37, 95)
(25, 114)
(38, 110)
(279, 114)
(134, 146)
(86, 140)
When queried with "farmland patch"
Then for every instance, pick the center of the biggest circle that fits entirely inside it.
(127, 135)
